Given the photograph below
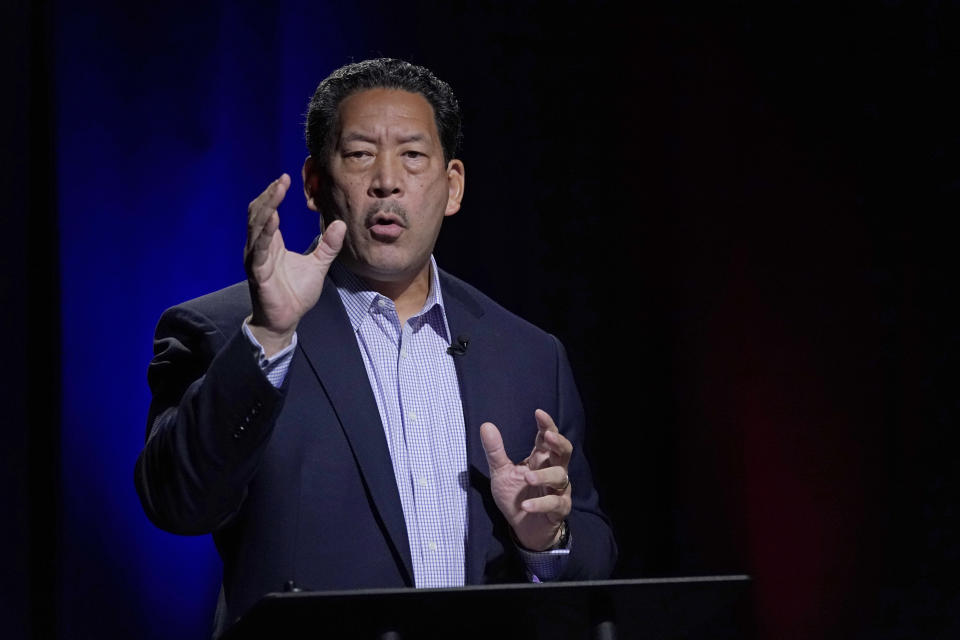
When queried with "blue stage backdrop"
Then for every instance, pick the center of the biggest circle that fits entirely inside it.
(169, 121)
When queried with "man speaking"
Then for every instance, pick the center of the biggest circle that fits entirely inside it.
(354, 416)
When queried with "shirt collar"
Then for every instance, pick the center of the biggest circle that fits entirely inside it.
(358, 298)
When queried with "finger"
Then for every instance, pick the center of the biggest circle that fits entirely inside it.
(544, 421)
(553, 478)
(273, 195)
(550, 440)
(269, 199)
(263, 206)
(261, 245)
(544, 424)
(559, 447)
(558, 506)
(331, 241)
(262, 241)
(493, 446)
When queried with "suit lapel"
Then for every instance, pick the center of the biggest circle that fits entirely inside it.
(464, 315)
(330, 346)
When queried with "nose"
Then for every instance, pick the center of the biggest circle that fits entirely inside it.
(386, 179)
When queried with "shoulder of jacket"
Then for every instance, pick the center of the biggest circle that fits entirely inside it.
(224, 308)
(480, 304)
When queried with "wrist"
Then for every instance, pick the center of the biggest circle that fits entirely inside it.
(560, 540)
(563, 537)
(271, 340)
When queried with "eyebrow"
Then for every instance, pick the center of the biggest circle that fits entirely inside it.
(357, 136)
(413, 137)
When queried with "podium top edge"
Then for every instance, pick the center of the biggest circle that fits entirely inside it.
(588, 584)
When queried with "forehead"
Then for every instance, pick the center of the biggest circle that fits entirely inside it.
(386, 111)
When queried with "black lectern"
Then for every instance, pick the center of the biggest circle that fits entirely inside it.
(697, 608)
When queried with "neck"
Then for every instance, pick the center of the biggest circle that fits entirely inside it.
(408, 294)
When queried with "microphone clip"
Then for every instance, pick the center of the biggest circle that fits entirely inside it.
(460, 348)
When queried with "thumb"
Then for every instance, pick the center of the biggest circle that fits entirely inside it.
(331, 241)
(493, 446)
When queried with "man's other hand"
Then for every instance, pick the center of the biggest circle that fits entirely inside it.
(283, 285)
(533, 495)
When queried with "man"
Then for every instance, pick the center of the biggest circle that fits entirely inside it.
(354, 416)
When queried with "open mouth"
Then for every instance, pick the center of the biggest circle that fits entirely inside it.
(386, 226)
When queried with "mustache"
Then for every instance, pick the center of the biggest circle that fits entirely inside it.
(392, 206)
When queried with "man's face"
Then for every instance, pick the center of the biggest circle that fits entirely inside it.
(387, 180)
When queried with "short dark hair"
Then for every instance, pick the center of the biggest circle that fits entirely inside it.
(381, 73)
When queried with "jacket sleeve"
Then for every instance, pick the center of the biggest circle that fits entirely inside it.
(211, 416)
(593, 550)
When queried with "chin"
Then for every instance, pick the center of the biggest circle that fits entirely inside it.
(393, 270)
(384, 270)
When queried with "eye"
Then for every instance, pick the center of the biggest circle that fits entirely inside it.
(413, 154)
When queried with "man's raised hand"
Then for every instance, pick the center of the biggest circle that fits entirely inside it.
(284, 285)
(533, 495)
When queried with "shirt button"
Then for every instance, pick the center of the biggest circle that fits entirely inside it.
(403, 353)
(422, 481)
(432, 546)
(412, 416)
(382, 302)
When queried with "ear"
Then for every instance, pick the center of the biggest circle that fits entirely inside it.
(456, 178)
(311, 183)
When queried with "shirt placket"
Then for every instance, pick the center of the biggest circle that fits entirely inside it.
(402, 365)
(416, 432)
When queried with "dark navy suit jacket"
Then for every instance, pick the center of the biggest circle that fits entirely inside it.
(297, 483)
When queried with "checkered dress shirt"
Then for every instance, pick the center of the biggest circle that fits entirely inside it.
(415, 385)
